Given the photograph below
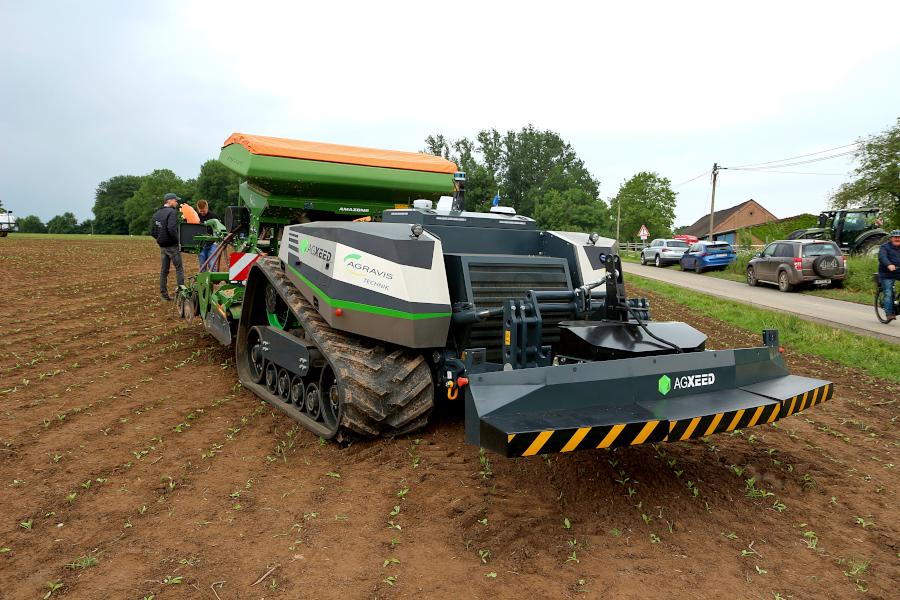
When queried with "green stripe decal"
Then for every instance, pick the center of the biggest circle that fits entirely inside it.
(377, 310)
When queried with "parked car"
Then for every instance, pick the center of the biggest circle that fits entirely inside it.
(708, 255)
(663, 252)
(690, 239)
(792, 263)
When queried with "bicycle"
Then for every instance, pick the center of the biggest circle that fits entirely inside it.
(879, 300)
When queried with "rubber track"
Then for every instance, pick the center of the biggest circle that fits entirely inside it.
(386, 391)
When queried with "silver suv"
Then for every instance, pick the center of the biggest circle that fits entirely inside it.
(792, 263)
(663, 252)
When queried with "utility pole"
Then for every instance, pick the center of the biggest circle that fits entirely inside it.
(618, 216)
(712, 204)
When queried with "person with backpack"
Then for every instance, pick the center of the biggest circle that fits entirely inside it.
(165, 230)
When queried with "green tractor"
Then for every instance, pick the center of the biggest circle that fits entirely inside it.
(359, 329)
(855, 230)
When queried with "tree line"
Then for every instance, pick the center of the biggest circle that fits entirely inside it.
(534, 171)
(541, 176)
(124, 204)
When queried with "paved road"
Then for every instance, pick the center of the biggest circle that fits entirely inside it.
(855, 317)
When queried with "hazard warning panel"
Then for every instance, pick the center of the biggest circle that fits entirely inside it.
(644, 233)
(239, 264)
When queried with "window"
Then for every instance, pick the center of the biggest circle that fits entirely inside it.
(676, 244)
(696, 248)
(770, 250)
(784, 251)
(825, 248)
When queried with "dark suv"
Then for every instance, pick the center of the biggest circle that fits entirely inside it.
(792, 263)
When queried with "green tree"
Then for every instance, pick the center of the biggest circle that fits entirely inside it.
(523, 166)
(646, 199)
(877, 176)
(31, 224)
(218, 185)
(64, 223)
(109, 203)
(572, 210)
(149, 197)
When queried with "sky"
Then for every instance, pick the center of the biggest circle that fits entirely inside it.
(90, 90)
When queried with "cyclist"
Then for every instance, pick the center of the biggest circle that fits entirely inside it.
(889, 271)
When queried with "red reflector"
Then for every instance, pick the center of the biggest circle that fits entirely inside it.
(338, 312)
(462, 381)
(780, 349)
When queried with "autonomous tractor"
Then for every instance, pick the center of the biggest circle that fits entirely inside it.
(355, 303)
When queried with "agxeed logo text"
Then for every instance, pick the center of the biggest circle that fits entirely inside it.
(667, 384)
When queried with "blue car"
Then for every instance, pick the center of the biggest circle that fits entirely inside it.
(707, 255)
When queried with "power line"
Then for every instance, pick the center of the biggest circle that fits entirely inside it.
(798, 162)
(769, 162)
(791, 172)
(693, 178)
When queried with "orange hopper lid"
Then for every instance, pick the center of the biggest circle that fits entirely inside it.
(336, 153)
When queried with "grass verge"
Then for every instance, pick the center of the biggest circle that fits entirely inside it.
(875, 356)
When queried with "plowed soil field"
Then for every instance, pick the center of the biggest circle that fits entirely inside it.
(133, 465)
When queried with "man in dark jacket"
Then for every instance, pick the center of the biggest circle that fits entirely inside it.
(889, 271)
(165, 230)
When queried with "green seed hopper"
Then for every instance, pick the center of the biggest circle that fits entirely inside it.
(343, 180)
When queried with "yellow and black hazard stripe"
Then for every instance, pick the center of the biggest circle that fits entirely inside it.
(628, 434)
(806, 400)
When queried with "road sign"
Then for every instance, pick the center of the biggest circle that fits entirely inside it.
(643, 233)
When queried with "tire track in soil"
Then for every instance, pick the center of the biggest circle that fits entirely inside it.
(87, 528)
(226, 473)
(121, 348)
(97, 389)
(160, 412)
(151, 411)
(77, 348)
(116, 347)
(54, 321)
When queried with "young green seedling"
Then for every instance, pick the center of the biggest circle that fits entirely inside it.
(83, 562)
(52, 586)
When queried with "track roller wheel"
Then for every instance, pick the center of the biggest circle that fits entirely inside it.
(330, 398)
(297, 392)
(271, 378)
(313, 401)
(284, 385)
